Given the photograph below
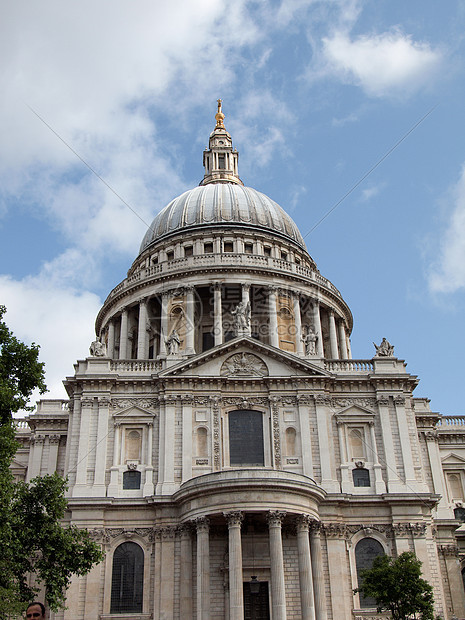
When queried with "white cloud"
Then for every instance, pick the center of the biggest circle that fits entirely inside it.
(370, 192)
(447, 273)
(388, 64)
(60, 320)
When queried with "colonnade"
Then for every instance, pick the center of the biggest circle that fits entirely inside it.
(310, 568)
(338, 341)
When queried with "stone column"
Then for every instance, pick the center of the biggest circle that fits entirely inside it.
(53, 443)
(298, 326)
(218, 315)
(246, 300)
(317, 572)
(98, 488)
(406, 447)
(325, 440)
(35, 457)
(203, 569)
(431, 438)
(186, 438)
(236, 597)
(185, 585)
(166, 484)
(113, 487)
(380, 485)
(452, 562)
(349, 350)
(190, 327)
(274, 339)
(80, 488)
(342, 340)
(393, 482)
(307, 454)
(317, 327)
(167, 573)
(164, 323)
(307, 602)
(148, 489)
(111, 339)
(123, 337)
(142, 331)
(338, 572)
(333, 336)
(278, 594)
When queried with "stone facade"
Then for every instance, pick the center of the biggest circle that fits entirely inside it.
(221, 439)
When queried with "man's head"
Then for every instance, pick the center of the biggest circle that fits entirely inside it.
(35, 611)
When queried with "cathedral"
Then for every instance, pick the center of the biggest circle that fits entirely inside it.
(223, 445)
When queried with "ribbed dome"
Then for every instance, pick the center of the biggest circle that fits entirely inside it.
(222, 204)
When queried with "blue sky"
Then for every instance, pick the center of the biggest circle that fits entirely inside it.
(315, 94)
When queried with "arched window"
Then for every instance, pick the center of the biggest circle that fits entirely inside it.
(366, 551)
(455, 486)
(202, 446)
(133, 445)
(290, 441)
(361, 477)
(246, 438)
(356, 443)
(131, 479)
(127, 581)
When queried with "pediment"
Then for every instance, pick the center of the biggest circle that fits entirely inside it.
(355, 413)
(245, 358)
(133, 414)
(453, 459)
(17, 465)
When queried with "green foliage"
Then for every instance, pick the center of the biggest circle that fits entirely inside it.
(20, 372)
(397, 586)
(32, 539)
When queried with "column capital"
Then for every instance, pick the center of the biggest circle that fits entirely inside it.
(202, 524)
(217, 286)
(234, 518)
(303, 522)
(275, 518)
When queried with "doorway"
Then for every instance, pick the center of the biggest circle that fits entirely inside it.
(256, 606)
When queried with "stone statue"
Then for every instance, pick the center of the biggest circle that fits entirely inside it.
(385, 349)
(173, 343)
(310, 341)
(241, 314)
(97, 348)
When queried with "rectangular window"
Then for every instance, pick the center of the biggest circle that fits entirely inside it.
(188, 250)
(246, 438)
(228, 246)
(170, 256)
(248, 248)
(221, 162)
(208, 341)
(267, 250)
(208, 248)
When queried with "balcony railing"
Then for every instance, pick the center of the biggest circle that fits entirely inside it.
(226, 259)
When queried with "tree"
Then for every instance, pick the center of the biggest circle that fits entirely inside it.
(397, 586)
(32, 538)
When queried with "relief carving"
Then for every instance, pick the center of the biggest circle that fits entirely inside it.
(244, 365)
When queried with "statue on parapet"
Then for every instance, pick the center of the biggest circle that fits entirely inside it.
(97, 348)
(310, 340)
(241, 314)
(173, 343)
(385, 349)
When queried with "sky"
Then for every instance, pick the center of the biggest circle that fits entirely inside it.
(358, 104)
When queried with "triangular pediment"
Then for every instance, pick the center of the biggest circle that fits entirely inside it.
(355, 413)
(453, 459)
(133, 413)
(245, 358)
(17, 465)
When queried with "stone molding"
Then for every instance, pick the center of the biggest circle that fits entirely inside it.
(409, 529)
(142, 403)
(276, 431)
(449, 550)
(234, 518)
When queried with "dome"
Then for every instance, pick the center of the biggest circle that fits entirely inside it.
(222, 204)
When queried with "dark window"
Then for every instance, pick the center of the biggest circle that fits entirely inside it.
(228, 246)
(267, 251)
(208, 341)
(284, 255)
(221, 162)
(208, 248)
(246, 438)
(361, 477)
(131, 479)
(169, 255)
(366, 551)
(459, 514)
(248, 248)
(154, 260)
(256, 605)
(127, 579)
(188, 250)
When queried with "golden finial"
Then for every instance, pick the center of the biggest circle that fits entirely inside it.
(219, 116)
